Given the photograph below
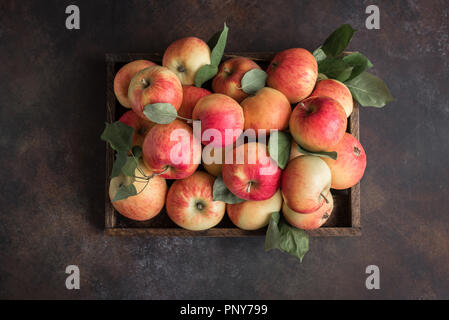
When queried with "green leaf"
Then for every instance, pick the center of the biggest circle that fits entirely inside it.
(324, 154)
(131, 163)
(279, 148)
(120, 160)
(124, 192)
(337, 42)
(221, 192)
(161, 113)
(204, 74)
(253, 81)
(293, 240)
(281, 235)
(119, 136)
(332, 67)
(344, 75)
(319, 54)
(218, 50)
(137, 151)
(130, 166)
(359, 63)
(272, 235)
(369, 90)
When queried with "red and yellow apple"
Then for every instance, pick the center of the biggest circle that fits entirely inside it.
(252, 175)
(155, 84)
(229, 77)
(335, 90)
(172, 150)
(190, 203)
(221, 119)
(318, 123)
(268, 109)
(350, 165)
(190, 96)
(124, 76)
(213, 159)
(185, 57)
(141, 126)
(305, 182)
(253, 215)
(309, 221)
(150, 198)
(293, 72)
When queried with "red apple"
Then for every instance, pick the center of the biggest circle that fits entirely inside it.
(141, 126)
(350, 165)
(309, 221)
(229, 77)
(124, 76)
(337, 91)
(253, 215)
(185, 57)
(153, 85)
(221, 117)
(172, 149)
(305, 182)
(190, 203)
(252, 175)
(318, 123)
(150, 197)
(269, 109)
(293, 72)
(190, 96)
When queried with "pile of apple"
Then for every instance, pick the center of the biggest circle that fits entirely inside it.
(304, 114)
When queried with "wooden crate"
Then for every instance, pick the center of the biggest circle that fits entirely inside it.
(345, 218)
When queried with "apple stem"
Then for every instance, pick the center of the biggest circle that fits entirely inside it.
(148, 178)
(186, 119)
(137, 161)
(327, 201)
(146, 184)
(249, 187)
(144, 82)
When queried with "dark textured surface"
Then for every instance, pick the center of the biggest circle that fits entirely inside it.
(52, 99)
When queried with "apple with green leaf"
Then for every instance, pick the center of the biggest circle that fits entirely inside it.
(185, 57)
(190, 203)
(229, 77)
(153, 85)
(150, 198)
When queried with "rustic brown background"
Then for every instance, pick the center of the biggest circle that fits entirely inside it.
(52, 160)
